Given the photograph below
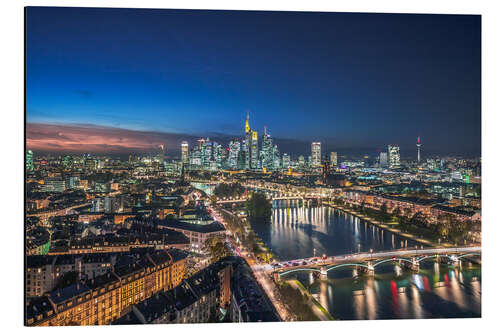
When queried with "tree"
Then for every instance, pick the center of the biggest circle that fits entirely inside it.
(229, 190)
(419, 219)
(458, 230)
(397, 211)
(362, 207)
(259, 208)
(384, 215)
(383, 208)
(217, 248)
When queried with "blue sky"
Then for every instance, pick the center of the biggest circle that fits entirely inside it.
(349, 80)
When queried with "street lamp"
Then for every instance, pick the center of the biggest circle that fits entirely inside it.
(371, 254)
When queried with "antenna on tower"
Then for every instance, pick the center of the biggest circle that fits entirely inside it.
(265, 130)
(418, 149)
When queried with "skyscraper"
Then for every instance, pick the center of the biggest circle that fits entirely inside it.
(29, 160)
(234, 152)
(326, 169)
(266, 152)
(333, 159)
(185, 152)
(316, 154)
(286, 161)
(217, 154)
(245, 152)
(161, 153)
(247, 125)
(247, 143)
(302, 162)
(276, 158)
(383, 160)
(394, 159)
(254, 150)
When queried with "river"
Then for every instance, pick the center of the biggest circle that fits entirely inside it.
(436, 291)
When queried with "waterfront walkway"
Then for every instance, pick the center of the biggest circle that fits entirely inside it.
(316, 307)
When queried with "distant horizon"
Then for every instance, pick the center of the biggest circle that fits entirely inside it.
(144, 144)
(111, 80)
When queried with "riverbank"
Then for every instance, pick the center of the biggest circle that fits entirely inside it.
(396, 231)
(316, 306)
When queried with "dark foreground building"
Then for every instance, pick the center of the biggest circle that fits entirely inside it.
(225, 291)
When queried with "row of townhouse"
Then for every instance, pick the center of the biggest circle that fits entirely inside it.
(107, 297)
(123, 243)
(225, 291)
(44, 272)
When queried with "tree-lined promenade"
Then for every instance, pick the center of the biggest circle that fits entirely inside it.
(447, 232)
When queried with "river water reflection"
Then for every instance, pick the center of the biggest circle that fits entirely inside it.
(437, 291)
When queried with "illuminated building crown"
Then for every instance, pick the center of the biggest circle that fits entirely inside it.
(247, 126)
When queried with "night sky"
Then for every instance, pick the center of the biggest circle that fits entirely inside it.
(111, 80)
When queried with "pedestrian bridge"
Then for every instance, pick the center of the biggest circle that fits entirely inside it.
(273, 198)
(370, 261)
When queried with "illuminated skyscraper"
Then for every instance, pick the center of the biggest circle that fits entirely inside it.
(326, 169)
(276, 158)
(196, 156)
(161, 153)
(383, 160)
(394, 159)
(286, 161)
(247, 144)
(254, 150)
(185, 152)
(29, 160)
(245, 153)
(266, 152)
(333, 159)
(247, 125)
(234, 152)
(217, 154)
(302, 162)
(316, 154)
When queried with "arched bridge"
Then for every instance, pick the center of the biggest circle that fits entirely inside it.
(369, 261)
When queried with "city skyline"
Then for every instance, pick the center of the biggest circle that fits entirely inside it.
(137, 93)
(202, 166)
(101, 140)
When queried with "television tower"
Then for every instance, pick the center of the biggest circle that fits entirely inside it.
(418, 150)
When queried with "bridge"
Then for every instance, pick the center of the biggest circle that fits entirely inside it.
(231, 200)
(369, 261)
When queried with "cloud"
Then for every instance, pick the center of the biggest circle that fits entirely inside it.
(99, 139)
(84, 93)
(80, 138)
